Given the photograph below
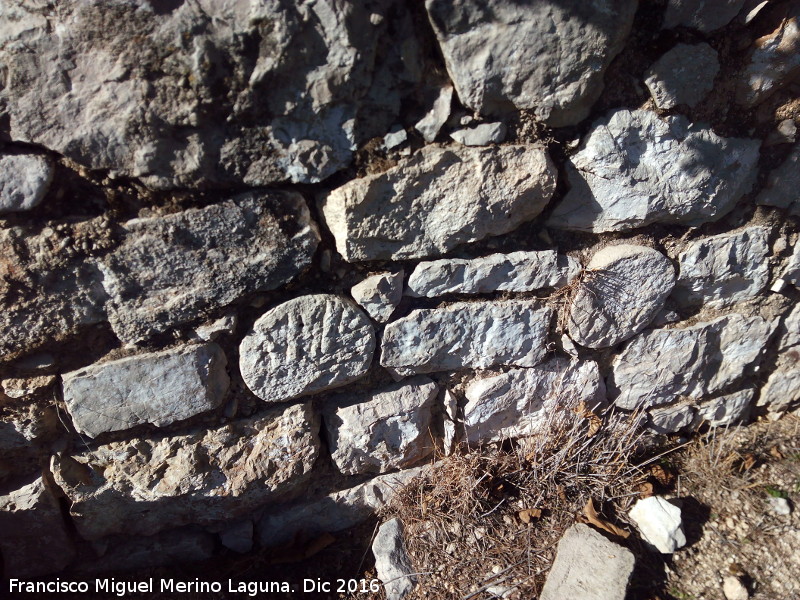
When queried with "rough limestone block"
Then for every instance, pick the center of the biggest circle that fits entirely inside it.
(684, 75)
(517, 403)
(657, 366)
(142, 486)
(588, 566)
(379, 294)
(306, 345)
(703, 15)
(474, 335)
(172, 269)
(559, 77)
(34, 540)
(24, 180)
(659, 522)
(782, 389)
(391, 560)
(158, 388)
(437, 199)
(513, 272)
(721, 270)
(634, 169)
(382, 430)
(726, 410)
(783, 183)
(790, 330)
(621, 292)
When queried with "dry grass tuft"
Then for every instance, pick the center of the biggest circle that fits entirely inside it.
(485, 523)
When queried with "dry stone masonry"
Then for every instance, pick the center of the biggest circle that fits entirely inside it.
(262, 262)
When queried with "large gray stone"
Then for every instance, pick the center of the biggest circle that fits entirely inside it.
(703, 15)
(634, 169)
(391, 560)
(588, 566)
(474, 335)
(306, 345)
(437, 199)
(518, 403)
(34, 541)
(186, 94)
(721, 270)
(382, 430)
(24, 179)
(379, 294)
(783, 183)
(158, 388)
(684, 75)
(145, 485)
(658, 366)
(559, 75)
(620, 293)
(173, 269)
(726, 410)
(513, 272)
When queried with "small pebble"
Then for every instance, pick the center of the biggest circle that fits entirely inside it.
(780, 506)
(734, 589)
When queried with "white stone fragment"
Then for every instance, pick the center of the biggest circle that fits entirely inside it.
(734, 589)
(432, 122)
(449, 422)
(391, 560)
(481, 135)
(24, 181)
(379, 294)
(659, 522)
(780, 506)
(395, 138)
(213, 330)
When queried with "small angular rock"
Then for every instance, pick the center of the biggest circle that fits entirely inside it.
(437, 199)
(24, 180)
(517, 403)
(481, 135)
(622, 291)
(379, 294)
(721, 270)
(391, 560)
(705, 16)
(382, 430)
(659, 522)
(672, 419)
(684, 75)
(588, 566)
(306, 345)
(158, 388)
(634, 169)
(513, 272)
(474, 335)
(791, 271)
(213, 330)
(734, 589)
(726, 410)
(432, 122)
(783, 183)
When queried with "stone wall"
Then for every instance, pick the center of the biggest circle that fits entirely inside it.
(262, 261)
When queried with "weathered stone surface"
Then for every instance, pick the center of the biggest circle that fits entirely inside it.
(783, 183)
(658, 366)
(513, 272)
(34, 541)
(672, 419)
(559, 77)
(790, 330)
(481, 135)
(145, 485)
(588, 566)
(306, 345)
(721, 270)
(437, 116)
(437, 199)
(774, 60)
(791, 270)
(659, 522)
(24, 179)
(684, 75)
(622, 291)
(782, 389)
(473, 335)
(27, 425)
(391, 560)
(517, 403)
(726, 410)
(213, 330)
(703, 15)
(158, 388)
(257, 241)
(379, 294)
(335, 512)
(193, 93)
(382, 430)
(449, 423)
(634, 169)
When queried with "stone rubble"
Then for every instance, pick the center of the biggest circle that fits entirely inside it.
(475, 335)
(391, 560)
(24, 181)
(684, 75)
(621, 291)
(383, 430)
(634, 169)
(513, 272)
(158, 388)
(309, 344)
(437, 199)
(659, 522)
(379, 294)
